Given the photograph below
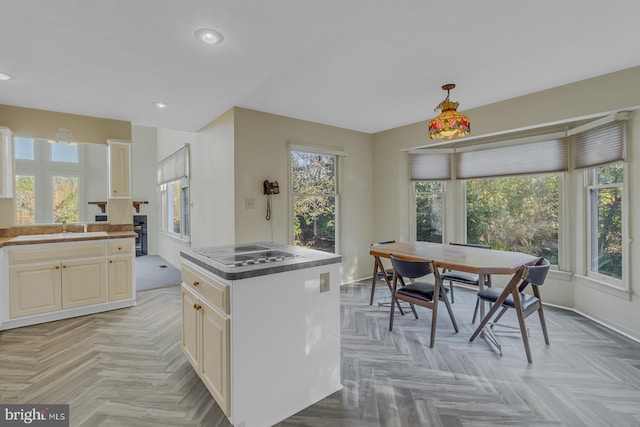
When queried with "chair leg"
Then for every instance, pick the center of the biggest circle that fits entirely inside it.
(543, 324)
(523, 328)
(475, 311)
(504, 310)
(434, 321)
(413, 308)
(443, 296)
(392, 310)
(451, 290)
(373, 283)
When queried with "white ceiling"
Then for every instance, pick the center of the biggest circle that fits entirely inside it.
(366, 65)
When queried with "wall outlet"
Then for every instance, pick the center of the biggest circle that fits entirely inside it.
(325, 282)
(250, 203)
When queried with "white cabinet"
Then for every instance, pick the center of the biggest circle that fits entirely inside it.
(83, 282)
(119, 169)
(6, 163)
(120, 270)
(205, 332)
(52, 281)
(34, 289)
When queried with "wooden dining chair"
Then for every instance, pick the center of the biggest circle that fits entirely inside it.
(464, 277)
(381, 273)
(513, 296)
(420, 293)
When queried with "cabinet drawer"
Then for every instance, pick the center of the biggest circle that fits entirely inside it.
(216, 293)
(55, 251)
(120, 248)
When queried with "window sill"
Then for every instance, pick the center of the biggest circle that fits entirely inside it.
(176, 238)
(605, 287)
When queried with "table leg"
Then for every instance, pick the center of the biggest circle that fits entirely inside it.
(487, 333)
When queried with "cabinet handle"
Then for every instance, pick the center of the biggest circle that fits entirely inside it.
(64, 266)
(119, 248)
(196, 283)
(57, 267)
(197, 307)
(110, 261)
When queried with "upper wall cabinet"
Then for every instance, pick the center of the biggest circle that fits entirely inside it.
(6, 163)
(119, 169)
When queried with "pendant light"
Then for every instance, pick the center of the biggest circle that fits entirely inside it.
(449, 124)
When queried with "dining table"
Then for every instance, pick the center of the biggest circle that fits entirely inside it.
(480, 261)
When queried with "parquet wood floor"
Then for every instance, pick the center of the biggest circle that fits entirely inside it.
(125, 368)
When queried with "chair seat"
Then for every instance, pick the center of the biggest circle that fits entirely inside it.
(492, 295)
(461, 277)
(420, 290)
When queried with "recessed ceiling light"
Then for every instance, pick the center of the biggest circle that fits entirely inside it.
(160, 105)
(5, 76)
(209, 36)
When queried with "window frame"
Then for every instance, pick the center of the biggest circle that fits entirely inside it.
(589, 185)
(338, 155)
(175, 168)
(414, 208)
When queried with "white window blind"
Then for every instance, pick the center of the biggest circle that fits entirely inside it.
(537, 157)
(601, 145)
(430, 167)
(174, 166)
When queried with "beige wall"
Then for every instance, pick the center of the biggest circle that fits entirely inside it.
(211, 185)
(145, 183)
(611, 92)
(32, 123)
(261, 152)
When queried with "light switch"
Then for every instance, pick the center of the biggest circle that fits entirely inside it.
(325, 282)
(250, 203)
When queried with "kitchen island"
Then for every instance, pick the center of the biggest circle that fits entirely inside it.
(261, 327)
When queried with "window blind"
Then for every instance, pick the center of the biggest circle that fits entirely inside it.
(600, 146)
(430, 167)
(536, 157)
(174, 166)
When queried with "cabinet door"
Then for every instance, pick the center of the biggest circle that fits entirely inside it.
(84, 282)
(190, 328)
(119, 170)
(120, 278)
(6, 163)
(215, 367)
(34, 289)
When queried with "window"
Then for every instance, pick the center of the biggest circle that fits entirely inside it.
(173, 181)
(606, 221)
(428, 196)
(314, 197)
(48, 181)
(515, 213)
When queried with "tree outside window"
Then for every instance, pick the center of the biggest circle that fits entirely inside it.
(515, 213)
(314, 185)
(429, 208)
(605, 200)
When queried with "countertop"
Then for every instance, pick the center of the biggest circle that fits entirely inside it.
(305, 258)
(69, 237)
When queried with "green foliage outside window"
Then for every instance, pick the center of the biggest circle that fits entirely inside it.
(606, 220)
(313, 180)
(515, 213)
(429, 211)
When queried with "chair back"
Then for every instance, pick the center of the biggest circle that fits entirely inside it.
(536, 274)
(471, 245)
(383, 243)
(411, 269)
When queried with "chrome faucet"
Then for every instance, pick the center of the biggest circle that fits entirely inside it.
(64, 226)
(84, 226)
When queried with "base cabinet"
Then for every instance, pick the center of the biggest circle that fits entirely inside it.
(52, 281)
(205, 341)
(83, 282)
(34, 289)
